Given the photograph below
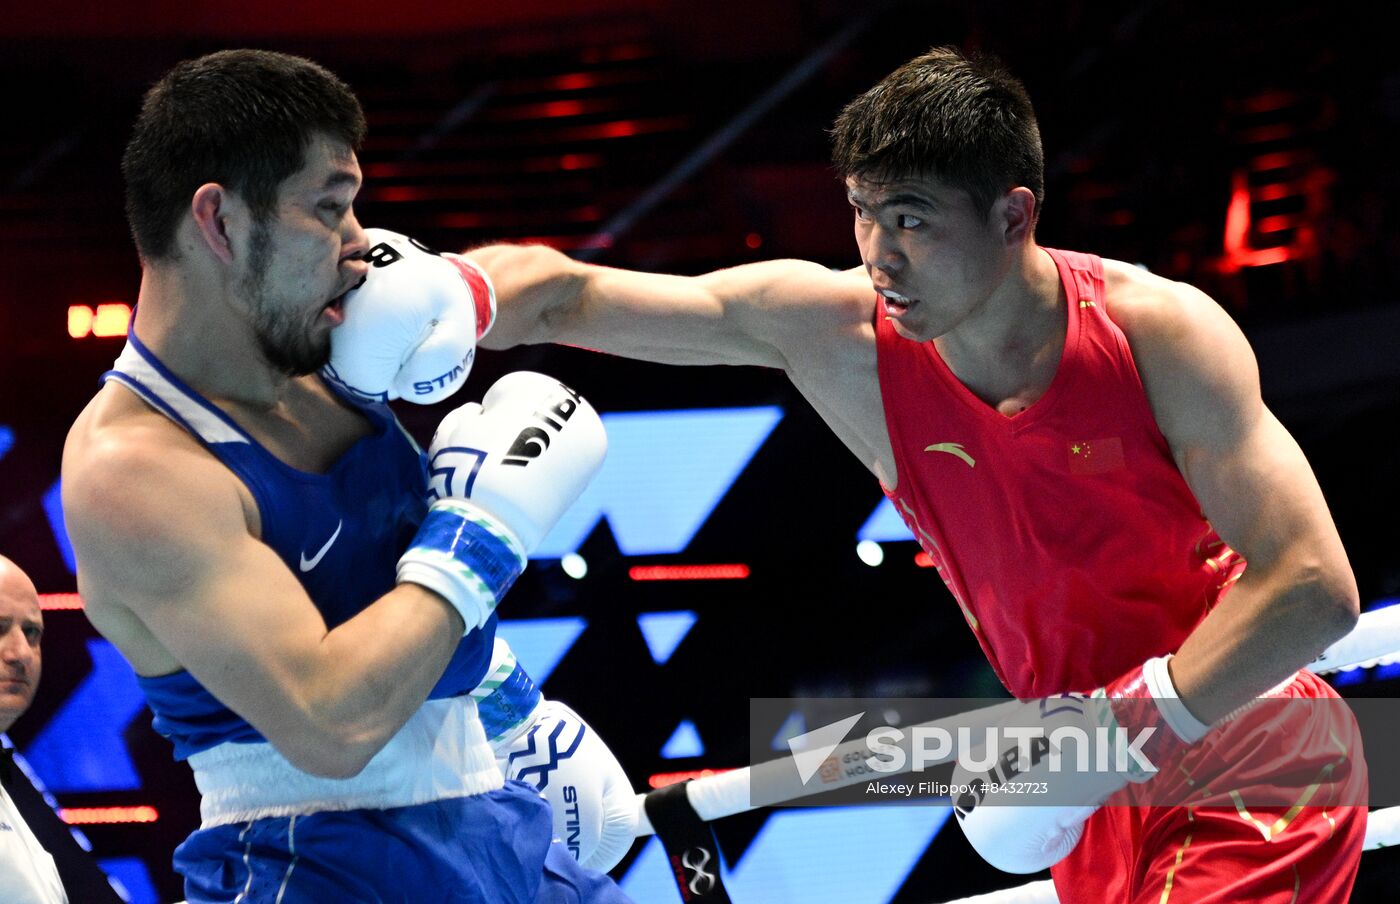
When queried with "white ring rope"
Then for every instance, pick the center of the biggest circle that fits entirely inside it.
(1375, 639)
(1382, 829)
(717, 796)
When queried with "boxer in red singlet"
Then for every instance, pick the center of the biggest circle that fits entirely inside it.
(1079, 445)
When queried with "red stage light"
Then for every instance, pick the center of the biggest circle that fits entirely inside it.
(623, 128)
(579, 161)
(79, 320)
(662, 779)
(91, 816)
(52, 602)
(111, 320)
(688, 572)
(558, 108)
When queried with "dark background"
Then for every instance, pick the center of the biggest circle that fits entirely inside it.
(1247, 148)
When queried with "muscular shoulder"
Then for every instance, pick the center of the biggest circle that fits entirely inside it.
(142, 499)
(1197, 366)
(1170, 324)
(1152, 307)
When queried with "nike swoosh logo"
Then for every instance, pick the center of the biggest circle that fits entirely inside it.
(308, 564)
(953, 449)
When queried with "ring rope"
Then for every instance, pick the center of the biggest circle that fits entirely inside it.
(1374, 640)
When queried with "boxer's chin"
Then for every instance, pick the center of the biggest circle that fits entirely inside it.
(904, 331)
(313, 356)
(296, 355)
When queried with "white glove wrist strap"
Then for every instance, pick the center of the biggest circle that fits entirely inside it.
(1159, 683)
(506, 698)
(465, 555)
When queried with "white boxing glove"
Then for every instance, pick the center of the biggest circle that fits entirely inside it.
(1027, 812)
(502, 472)
(411, 327)
(524, 454)
(545, 744)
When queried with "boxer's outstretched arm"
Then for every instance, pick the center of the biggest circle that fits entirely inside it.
(766, 314)
(1298, 593)
(160, 533)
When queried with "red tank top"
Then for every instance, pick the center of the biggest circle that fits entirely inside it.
(1066, 533)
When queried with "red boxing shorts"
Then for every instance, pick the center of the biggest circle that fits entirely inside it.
(1282, 815)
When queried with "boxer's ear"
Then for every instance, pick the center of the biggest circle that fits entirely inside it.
(210, 207)
(1014, 213)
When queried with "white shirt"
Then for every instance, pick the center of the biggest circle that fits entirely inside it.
(27, 871)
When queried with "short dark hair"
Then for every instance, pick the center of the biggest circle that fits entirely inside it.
(241, 118)
(964, 120)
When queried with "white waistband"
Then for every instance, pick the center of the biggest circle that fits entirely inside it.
(441, 752)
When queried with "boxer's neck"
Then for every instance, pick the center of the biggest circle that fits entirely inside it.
(1011, 344)
(196, 329)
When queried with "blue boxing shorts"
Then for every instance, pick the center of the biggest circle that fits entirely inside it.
(490, 848)
(428, 819)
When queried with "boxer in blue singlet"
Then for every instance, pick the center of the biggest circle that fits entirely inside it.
(260, 546)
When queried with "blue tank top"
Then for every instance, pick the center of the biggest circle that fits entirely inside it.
(341, 533)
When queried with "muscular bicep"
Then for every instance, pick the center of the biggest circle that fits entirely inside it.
(1257, 489)
(1249, 474)
(162, 537)
(760, 314)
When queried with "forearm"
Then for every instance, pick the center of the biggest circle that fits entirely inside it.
(544, 296)
(726, 317)
(465, 556)
(367, 677)
(1267, 627)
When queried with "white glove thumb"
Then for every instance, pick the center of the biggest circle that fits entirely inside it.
(594, 806)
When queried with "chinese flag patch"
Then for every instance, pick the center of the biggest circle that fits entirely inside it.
(1095, 456)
